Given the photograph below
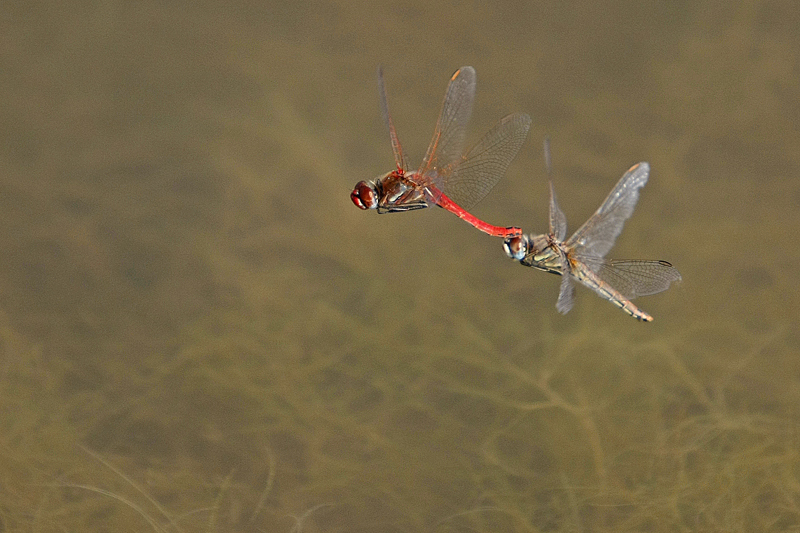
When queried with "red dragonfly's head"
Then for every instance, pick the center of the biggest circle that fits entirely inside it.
(365, 195)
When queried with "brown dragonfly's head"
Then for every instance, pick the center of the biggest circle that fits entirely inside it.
(523, 246)
(365, 195)
(516, 247)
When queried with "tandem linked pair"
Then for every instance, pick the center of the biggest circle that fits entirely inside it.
(457, 180)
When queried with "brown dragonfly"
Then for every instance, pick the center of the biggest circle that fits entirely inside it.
(581, 257)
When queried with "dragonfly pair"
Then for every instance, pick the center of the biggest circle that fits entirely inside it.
(457, 180)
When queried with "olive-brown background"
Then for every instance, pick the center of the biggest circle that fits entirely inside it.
(199, 331)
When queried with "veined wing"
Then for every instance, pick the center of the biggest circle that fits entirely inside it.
(387, 119)
(632, 278)
(448, 137)
(566, 293)
(471, 178)
(598, 234)
(558, 220)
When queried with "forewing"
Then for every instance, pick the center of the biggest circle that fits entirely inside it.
(448, 137)
(598, 234)
(633, 278)
(471, 178)
(558, 220)
(387, 119)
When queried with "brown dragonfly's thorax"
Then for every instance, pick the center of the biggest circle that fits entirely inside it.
(538, 251)
(545, 254)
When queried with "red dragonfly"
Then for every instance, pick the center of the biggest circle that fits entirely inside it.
(448, 177)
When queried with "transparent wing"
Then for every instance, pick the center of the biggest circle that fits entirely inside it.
(566, 295)
(558, 220)
(387, 119)
(597, 236)
(471, 178)
(448, 137)
(633, 278)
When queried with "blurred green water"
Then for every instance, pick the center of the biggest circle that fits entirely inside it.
(197, 321)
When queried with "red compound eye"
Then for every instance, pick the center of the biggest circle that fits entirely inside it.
(364, 195)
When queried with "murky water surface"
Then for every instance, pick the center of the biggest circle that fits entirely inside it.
(201, 333)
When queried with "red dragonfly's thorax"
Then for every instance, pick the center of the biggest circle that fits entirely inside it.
(395, 191)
